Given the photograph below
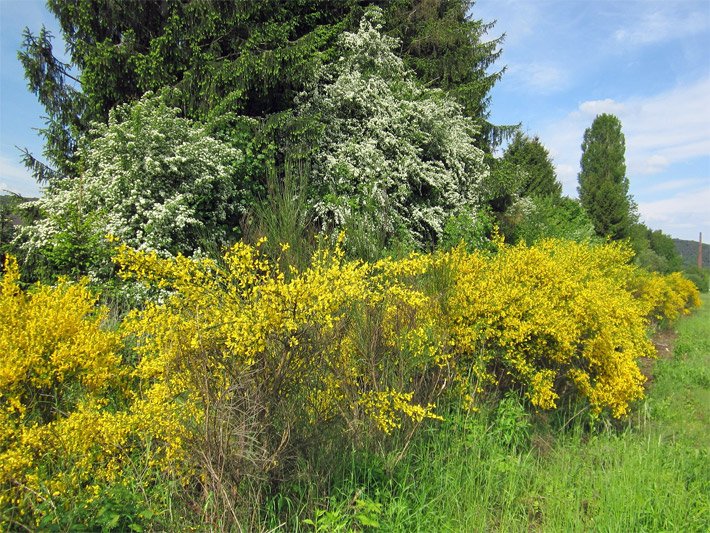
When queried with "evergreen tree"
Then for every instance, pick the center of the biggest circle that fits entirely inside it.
(603, 185)
(231, 58)
(447, 48)
(533, 158)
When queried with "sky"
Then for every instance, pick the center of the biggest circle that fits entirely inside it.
(645, 61)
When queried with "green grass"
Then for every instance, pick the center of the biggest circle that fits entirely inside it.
(504, 470)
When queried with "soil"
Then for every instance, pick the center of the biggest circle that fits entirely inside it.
(663, 340)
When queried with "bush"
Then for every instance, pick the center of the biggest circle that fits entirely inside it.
(536, 218)
(550, 320)
(475, 231)
(699, 276)
(393, 153)
(238, 370)
(151, 178)
(665, 298)
(77, 445)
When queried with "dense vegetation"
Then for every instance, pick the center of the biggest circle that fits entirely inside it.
(219, 391)
(277, 278)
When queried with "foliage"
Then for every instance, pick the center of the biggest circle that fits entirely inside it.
(155, 180)
(59, 435)
(699, 276)
(476, 231)
(236, 369)
(531, 156)
(603, 185)
(549, 318)
(54, 84)
(283, 218)
(651, 474)
(230, 58)
(655, 251)
(663, 245)
(666, 298)
(393, 153)
(271, 363)
(445, 47)
(9, 217)
(536, 218)
(499, 189)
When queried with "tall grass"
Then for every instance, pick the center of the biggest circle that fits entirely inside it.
(284, 217)
(503, 469)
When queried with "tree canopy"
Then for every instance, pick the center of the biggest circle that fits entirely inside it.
(246, 58)
(531, 156)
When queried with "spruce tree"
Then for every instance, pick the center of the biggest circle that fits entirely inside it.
(603, 185)
(531, 156)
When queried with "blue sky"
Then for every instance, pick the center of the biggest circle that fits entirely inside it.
(646, 61)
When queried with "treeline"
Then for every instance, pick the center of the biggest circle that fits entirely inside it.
(185, 127)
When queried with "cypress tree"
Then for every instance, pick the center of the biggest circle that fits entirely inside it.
(603, 185)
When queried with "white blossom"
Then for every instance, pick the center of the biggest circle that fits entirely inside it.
(394, 151)
(155, 180)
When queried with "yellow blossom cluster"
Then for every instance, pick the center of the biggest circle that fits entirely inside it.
(72, 414)
(315, 342)
(235, 357)
(556, 314)
(665, 297)
(57, 367)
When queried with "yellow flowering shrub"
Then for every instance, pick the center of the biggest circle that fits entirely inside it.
(243, 359)
(545, 317)
(236, 362)
(57, 364)
(74, 417)
(665, 297)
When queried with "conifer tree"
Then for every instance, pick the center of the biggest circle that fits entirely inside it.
(603, 185)
(533, 159)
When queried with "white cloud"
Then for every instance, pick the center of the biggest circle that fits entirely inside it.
(661, 130)
(540, 77)
(683, 215)
(662, 24)
(655, 164)
(677, 184)
(597, 107)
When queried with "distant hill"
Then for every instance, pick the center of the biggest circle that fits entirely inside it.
(689, 252)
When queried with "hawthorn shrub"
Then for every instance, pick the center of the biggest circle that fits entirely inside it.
(156, 180)
(394, 159)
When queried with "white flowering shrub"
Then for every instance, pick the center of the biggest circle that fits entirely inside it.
(393, 153)
(154, 180)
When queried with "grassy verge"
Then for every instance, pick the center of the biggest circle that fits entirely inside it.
(504, 470)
